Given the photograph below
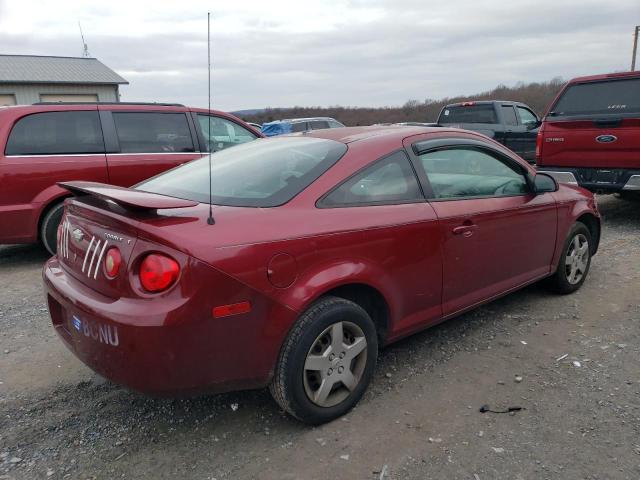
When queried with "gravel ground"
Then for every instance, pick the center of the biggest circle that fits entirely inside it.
(572, 363)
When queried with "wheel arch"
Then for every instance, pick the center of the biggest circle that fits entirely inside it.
(593, 224)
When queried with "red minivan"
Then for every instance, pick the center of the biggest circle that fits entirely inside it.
(119, 143)
(591, 134)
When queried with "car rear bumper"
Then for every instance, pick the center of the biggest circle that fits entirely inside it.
(597, 179)
(132, 342)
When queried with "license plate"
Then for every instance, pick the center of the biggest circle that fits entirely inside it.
(605, 176)
(98, 332)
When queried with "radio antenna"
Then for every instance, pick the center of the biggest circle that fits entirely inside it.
(210, 220)
(85, 48)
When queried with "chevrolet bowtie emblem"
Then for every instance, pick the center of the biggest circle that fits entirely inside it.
(77, 234)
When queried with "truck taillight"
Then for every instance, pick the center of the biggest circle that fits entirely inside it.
(112, 262)
(158, 272)
(539, 142)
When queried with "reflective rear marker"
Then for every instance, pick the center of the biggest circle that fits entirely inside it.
(232, 309)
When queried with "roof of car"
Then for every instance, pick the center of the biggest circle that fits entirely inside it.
(605, 76)
(482, 102)
(307, 119)
(353, 134)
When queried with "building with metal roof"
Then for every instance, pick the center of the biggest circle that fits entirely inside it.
(27, 79)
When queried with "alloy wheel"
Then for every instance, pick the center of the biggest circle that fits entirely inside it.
(577, 259)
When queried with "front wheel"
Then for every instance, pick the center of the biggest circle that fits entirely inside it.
(574, 262)
(326, 362)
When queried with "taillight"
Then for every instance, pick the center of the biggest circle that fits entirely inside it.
(158, 272)
(539, 141)
(112, 262)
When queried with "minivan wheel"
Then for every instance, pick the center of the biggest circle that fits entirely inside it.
(574, 262)
(49, 227)
(326, 362)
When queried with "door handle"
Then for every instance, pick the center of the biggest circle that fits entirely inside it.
(465, 230)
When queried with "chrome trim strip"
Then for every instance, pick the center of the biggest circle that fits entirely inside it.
(86, 254)
(95, 273)
(633, 183)
(65, 232)
(95, 250)
(561, 177)
(103, 154)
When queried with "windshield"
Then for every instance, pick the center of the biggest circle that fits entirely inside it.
(482, 113)
(608, 97)
(263, 173)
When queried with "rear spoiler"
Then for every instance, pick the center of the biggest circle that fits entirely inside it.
(126, 197)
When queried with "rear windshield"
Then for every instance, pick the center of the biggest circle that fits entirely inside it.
(263, 173)
(483, 113)
(597, 98)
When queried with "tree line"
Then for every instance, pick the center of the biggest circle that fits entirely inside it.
(537, 95)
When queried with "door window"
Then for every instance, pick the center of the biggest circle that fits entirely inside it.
(299, 127)
(509, 115)
(390, 180)
(153, 132)
(526, 116)
(469, 172)
(56, 133)
(224, 133)
(318, 124)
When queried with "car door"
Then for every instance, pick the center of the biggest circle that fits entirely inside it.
(529, 122)
(142, 144)
(498, 234)
(394, 228)
(514, 134)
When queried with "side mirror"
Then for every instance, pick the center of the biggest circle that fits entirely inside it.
(533, 125)
(545, 183)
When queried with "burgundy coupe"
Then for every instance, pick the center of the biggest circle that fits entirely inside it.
(322, 247)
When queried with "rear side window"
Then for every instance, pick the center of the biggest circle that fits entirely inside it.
(597, 98)
(224, 133)
(474, 113)
(152, 132)
(509, 115)
(56, 133)
(388, 181)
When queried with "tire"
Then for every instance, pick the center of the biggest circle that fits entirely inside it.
(574, 262)
(318, 395)
(49, 227)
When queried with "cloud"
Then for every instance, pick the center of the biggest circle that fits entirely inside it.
(348, 52)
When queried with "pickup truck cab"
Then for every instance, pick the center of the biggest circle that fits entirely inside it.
(513, 124)
(591, 134)
(119, 143)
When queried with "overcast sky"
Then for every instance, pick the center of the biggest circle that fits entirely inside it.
(338, 52)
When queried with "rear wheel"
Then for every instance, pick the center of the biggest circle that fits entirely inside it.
(49, 227)
(574, 262)
(326, 362)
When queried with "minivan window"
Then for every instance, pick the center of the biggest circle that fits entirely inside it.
(476, 113)
(56, 133)
(224, 133)
(597, 98)
(264, 173)
(153, 132)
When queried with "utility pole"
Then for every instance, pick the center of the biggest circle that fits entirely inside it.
(635, 48)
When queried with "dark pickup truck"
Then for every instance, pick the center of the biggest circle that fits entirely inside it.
(513, 124)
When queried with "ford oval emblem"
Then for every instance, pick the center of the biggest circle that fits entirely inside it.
(606, 138)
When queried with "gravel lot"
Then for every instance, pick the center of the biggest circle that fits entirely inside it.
(572, 362)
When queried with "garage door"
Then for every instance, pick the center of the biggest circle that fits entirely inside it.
(67, 97)
(7, 99)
